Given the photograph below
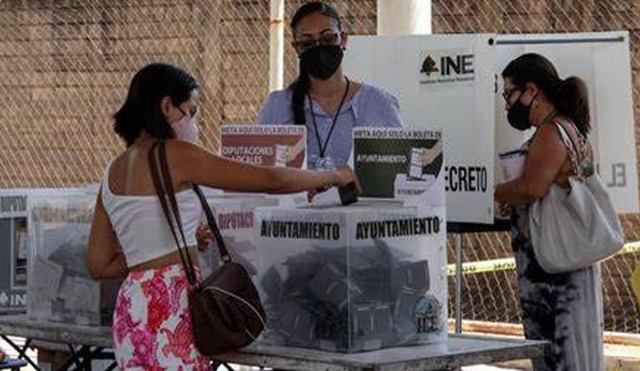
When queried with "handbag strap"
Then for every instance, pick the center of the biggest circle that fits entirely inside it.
(224, 253)
(577, 152)
(164, 189)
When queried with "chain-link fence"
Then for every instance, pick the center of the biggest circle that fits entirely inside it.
(490, 287)
(65, 67)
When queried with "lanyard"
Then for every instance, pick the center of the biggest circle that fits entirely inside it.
(333, 125)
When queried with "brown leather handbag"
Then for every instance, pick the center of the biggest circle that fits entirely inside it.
(226, 311)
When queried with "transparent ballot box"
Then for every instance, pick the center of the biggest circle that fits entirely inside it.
(60, 288)
(234, 214)
(14, 247)
(13, 251)
(367, 276)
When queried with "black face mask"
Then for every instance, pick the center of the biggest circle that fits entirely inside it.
(518, 115)
(321, 61)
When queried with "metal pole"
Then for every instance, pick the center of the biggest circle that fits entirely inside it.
(404, 17)
(276, 45)
(458, 283)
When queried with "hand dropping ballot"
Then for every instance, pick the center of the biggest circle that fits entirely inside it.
(335, 195)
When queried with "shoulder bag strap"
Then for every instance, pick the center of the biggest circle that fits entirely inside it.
(572, 148)
(166, 173)
(224, 253)
(165, 191)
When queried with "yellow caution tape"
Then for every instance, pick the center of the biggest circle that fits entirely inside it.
(630, 247)
(508, 264)
(485, 266)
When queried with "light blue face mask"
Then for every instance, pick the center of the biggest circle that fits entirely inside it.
(186, 129)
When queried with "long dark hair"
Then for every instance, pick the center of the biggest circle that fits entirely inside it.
(141, 109)
(300, 87)
(570, 96)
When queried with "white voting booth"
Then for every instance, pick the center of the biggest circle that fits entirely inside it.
(442, 82)
(452, 83)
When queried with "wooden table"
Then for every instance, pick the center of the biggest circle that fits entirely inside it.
(459, 350)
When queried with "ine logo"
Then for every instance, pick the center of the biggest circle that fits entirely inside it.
(427, 313)
(13, 299)
(428, 66)
(447, 67)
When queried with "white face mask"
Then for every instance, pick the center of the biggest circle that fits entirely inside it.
(186, 129)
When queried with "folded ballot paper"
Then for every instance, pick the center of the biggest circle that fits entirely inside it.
(512, 163)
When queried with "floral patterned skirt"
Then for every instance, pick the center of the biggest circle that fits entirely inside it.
(152, 324)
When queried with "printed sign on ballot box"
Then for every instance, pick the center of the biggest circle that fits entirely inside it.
(279, 146)
(399, 163)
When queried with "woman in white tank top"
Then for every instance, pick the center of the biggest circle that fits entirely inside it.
(129, 237)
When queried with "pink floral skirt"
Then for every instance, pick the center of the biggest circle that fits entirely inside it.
(152, 324)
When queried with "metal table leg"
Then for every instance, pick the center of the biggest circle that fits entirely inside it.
(458, 283)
